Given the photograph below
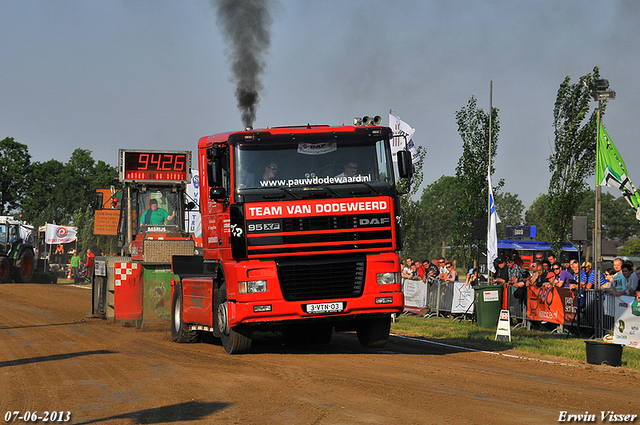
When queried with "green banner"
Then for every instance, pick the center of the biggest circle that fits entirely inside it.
(611, 171)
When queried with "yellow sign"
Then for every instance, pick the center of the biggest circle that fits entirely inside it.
(106, 222)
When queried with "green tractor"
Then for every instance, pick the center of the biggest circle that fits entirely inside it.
(16, 250)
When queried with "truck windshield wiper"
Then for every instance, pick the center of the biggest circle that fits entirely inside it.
(372, 188)
(279, 195)
(324, 186)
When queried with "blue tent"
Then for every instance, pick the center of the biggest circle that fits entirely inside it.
(533, 245)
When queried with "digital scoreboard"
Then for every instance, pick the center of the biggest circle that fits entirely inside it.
(154, 166)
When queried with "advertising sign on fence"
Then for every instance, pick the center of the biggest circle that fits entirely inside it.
(626, 329)
(463, 297)
(554, 305)
(415, 295)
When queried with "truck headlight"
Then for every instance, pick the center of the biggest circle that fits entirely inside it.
(252, 286)
(388, 278)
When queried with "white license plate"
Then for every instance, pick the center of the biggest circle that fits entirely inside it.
(325, 308)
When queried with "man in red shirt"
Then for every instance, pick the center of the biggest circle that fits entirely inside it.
(90, 260)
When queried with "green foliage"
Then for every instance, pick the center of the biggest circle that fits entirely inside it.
(509, 209)
(536, 216)
(56, 191)
(83, 219)
(574, 157)
(631, 248)
(428, 224)
(15, 165)
(618, 218)
(471, 173)
(409, 207)
(41, 203)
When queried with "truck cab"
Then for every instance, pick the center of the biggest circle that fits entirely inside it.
(300, 228)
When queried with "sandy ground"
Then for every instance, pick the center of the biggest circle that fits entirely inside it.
(55, 358)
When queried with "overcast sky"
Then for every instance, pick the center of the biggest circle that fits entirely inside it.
(104, 75)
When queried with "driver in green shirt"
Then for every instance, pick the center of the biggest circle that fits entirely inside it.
(155, 215)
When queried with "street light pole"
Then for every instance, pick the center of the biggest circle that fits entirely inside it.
(601, 93)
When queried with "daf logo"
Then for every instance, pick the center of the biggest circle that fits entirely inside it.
(374, 221)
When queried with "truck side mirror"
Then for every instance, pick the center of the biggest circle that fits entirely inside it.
(405, 167)
(214, 166)
(217, 193)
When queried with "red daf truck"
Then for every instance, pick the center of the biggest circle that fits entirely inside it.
(300, 227)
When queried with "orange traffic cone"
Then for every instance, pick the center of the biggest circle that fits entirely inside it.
(69, 275)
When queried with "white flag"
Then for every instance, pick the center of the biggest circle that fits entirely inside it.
(402, 138)
(59, 234)
(492, 235)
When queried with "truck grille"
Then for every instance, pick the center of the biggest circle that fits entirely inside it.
(331, 278)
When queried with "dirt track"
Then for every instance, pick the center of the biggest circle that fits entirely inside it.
(52, 357)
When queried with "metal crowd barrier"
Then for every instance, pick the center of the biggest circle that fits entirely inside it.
(438, 298)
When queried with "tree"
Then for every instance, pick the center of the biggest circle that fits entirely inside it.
(574, 157)
(618, 220)
(15, 166)
(57, 191)
(431, 224)
(631, 248)
(536, 216)
(509, 209)
(471, 172)
(408, 206)
(40, 202)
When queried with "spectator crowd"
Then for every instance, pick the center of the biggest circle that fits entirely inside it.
(621, 279)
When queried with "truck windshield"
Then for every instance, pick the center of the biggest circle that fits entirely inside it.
(331, 164)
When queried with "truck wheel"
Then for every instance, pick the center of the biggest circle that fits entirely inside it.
(24, 267)
(236, 340)
(4, 270)
(374, 333)
(179, 330)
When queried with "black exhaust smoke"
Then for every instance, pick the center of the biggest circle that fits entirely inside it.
(245, 25)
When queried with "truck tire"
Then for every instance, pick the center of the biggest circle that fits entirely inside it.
(374, 333)
(236, 340)
(180, 332)
(4, 270)
(24, 267)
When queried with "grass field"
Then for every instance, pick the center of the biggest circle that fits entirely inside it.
(468, 334)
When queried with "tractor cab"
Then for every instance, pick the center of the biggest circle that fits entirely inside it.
(16, 250)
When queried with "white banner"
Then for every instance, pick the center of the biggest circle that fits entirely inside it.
(59, 234)
(463, 296)
(193, 222)
(415, 294)
(627, 321)
(402, 138)
(492, 236)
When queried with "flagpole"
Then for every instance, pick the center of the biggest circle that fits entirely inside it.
(597, 234)
(489, 168)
